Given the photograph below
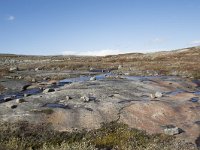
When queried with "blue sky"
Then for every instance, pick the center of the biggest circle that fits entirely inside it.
(97, 27)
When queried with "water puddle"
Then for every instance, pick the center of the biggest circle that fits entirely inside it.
(55, 105)
(82, 79)
(194, 99)
(176, 92)
(197, 93)
(21, 94)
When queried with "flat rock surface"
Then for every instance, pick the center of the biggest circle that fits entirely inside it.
(124, 100)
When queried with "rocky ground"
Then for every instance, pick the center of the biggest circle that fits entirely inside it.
(32, 89)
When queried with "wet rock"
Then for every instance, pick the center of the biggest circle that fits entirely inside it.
(172, 130)
(13, 106)
(93, 78)
(20, 100)
(158, 95)
(13, 69)
(48, 90)
(7, 98)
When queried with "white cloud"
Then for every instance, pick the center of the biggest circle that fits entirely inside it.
(10, 18)
(195, 42)
(158, 40)
(103, 52)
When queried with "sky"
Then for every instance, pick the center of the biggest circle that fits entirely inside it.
(97, 27)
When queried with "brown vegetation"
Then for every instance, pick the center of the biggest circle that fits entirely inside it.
(183, 62)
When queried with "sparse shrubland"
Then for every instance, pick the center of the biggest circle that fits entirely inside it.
(23, 136)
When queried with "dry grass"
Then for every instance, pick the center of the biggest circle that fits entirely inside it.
(184, 63)
(23, 136)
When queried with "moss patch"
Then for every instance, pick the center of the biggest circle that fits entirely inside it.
(23, 136)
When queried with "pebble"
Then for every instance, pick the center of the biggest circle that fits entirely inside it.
(12, 69)
(20, 100)
(158, 95)
(93, 78)
(27, 94)
(68, 97)
(88, 98)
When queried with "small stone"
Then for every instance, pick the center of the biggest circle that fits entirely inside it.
(20, 100)
(172, 130)
(158, 95)
(88, 99)
(93, 78)
(37, 69)
(68, 97)
(27, 94)
(152, 96)
(120, 67)
(46, 78)
(85, 99)
(33, 80)
(127, 74)
(91, 69)
(48, 90)
(12, 69)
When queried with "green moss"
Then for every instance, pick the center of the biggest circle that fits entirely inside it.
(25, 136)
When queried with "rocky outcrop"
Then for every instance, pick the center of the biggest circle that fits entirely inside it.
(85, 105)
